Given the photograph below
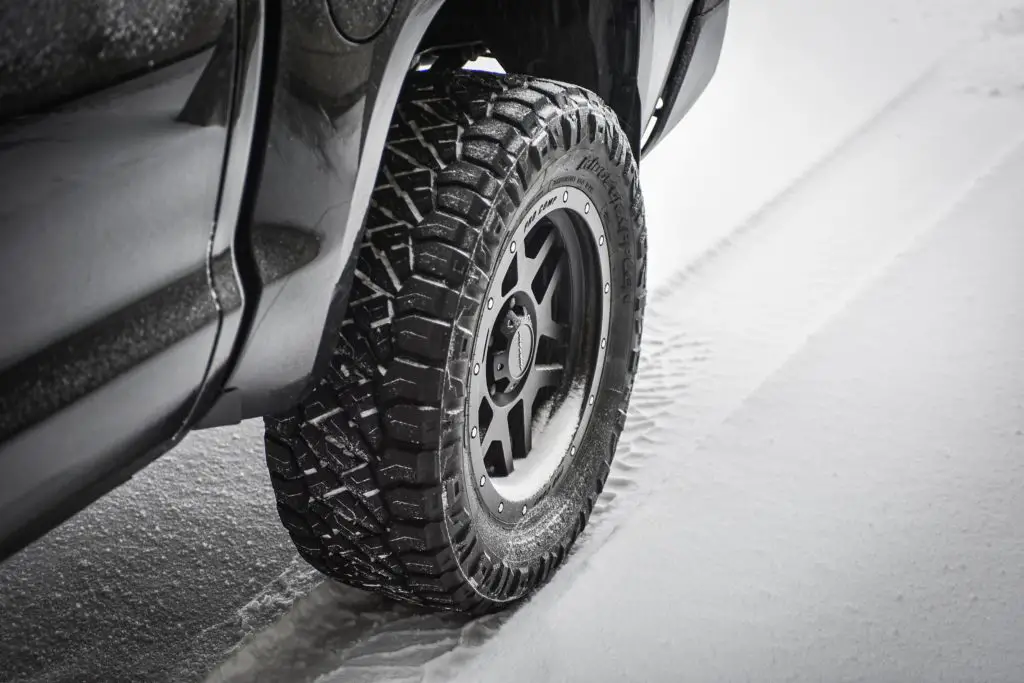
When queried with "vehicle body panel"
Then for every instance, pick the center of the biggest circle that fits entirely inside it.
(109, 193)
(692, 66)
(329, 110)
(662, 23)
(96, 208)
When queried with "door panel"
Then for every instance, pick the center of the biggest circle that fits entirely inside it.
(113, 133)
(100, 203)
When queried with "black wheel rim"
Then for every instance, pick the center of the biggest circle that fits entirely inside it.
(539, 350)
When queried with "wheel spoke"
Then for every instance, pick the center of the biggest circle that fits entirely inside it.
(506, 451)
(541, 376)
(549, 242)
(554, 282)
(545, 376)
(546, 323)
(528, 267)
(527, 400)
(521, 267)
(499, 431)
(526, 270)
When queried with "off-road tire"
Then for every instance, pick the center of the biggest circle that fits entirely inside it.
(369, 471)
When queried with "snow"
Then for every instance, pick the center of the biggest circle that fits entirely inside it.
(553, 435)
(821, 471)
(161, 578)
(797, 82)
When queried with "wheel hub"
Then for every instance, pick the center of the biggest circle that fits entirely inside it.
(521, 352)
(513, 342)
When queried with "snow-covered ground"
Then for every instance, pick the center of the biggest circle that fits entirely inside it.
(821, 475)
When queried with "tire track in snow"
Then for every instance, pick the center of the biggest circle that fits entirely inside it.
(714, 333)
(724, 323)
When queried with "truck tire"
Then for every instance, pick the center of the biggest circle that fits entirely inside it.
(453, 452)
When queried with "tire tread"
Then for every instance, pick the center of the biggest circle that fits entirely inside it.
(356, 469)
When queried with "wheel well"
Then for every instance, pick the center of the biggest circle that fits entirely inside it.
(591, 43)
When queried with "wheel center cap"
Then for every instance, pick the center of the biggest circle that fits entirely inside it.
(520, 352)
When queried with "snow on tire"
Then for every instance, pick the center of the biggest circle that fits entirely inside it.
(374, 474)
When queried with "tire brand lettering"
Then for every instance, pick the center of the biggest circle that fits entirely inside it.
(618, 209)
(540, 210)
